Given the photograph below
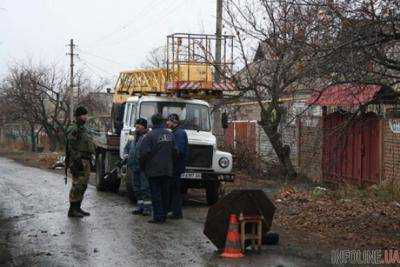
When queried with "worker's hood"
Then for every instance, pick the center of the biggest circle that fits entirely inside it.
(201, 138)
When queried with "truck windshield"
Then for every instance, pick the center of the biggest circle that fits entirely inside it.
(192, 116)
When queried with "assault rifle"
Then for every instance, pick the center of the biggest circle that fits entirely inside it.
(66, 162)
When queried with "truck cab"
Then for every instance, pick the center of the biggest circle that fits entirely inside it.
(206, 165)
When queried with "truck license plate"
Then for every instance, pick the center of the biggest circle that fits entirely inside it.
(191, 175)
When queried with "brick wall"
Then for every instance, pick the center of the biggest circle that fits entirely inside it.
(310, 148)
(218, 131)
(391, 152)
(289, 137)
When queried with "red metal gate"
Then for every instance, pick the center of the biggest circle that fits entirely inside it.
(351, 148)
(242, 134)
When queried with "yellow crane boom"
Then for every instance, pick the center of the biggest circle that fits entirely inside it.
(190, 70)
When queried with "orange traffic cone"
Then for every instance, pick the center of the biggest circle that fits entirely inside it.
(232, 243)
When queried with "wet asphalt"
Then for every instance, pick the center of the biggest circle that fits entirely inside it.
(35, 231)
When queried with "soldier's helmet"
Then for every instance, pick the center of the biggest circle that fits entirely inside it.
(80, 111)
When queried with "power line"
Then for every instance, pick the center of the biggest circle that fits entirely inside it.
(128, 23)
(100, 57)
(58, 60)
(93, 70)
(170, 12)
(94, 66)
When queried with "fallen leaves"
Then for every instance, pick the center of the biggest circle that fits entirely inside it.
(353, 221)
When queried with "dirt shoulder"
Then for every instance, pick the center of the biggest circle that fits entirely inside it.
(38, 160)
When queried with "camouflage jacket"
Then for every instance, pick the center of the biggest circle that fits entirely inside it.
(78, 143)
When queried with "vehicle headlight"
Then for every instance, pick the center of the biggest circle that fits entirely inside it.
(223, 162)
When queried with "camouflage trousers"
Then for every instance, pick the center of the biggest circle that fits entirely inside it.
(79, 183)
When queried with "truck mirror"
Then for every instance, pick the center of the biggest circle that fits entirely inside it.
(224, 120)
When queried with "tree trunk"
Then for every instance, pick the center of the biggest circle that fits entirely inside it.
(33, 137)
(53, 139)
(54, 143)
(270, 127)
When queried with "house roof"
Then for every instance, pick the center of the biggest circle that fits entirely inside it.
(348, 95)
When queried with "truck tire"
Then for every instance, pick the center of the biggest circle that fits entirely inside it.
(114, 185)
(212, 191)
(100, 182)
(129, 186)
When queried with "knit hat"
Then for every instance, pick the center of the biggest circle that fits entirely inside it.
(141, 121)
(173, 118)
(157, 119)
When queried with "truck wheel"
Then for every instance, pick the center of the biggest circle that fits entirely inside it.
(129, 186)
(100, 183)
(212, 190)
(114, 185)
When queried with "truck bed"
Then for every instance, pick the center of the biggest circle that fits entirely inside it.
(105, 140)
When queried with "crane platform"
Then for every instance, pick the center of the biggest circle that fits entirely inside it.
(190, 71)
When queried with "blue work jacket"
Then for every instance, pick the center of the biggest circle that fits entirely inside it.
(181, 143)
(132, 149)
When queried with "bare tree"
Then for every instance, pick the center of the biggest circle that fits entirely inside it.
(367, 39)
(93, 95)
(38, 95)
(287, 60)
(13, 114)
(310, 44)
(156, 58)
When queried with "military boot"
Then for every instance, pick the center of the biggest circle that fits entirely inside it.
(74, 211)
(84, 213)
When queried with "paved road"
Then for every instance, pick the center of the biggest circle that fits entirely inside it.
(34, 229)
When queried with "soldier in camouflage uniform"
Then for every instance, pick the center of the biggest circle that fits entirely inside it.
(79, 153)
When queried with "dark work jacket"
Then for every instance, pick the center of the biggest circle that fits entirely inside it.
(132, 149)
(158, 153)
(181, 142)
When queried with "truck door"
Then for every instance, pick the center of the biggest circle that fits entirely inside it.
(129, 121)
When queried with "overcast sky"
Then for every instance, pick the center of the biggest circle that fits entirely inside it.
(111, 35)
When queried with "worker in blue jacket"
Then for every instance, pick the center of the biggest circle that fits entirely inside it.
(157, 157)
(181, 143)
(140, 182)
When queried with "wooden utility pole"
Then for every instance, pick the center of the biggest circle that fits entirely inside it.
(218, 33)
(71, 80)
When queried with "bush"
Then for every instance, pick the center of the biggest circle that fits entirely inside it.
(248, 161)
(388, 189)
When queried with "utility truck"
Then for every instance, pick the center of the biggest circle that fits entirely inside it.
(185, 87)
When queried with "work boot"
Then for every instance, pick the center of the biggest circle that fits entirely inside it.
(156, 221)
(73, 211)
(146, 208)
(84, 213)
(146, 212)
(137, 211)
(175, 217)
